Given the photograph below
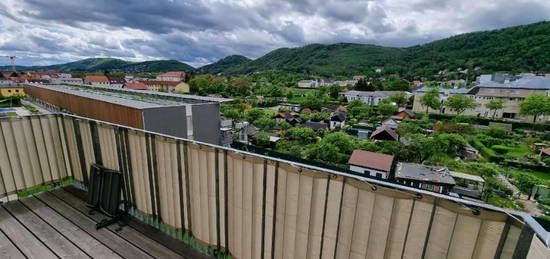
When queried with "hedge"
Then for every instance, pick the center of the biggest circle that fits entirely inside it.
(485, 121)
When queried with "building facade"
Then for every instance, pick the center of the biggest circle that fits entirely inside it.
(512, 92)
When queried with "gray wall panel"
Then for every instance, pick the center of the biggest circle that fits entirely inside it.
(206, 123)
(166, 120)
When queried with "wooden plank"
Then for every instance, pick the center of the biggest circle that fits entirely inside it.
(25, 241)
(120, 246)
(8, 249)
(171, 243)
(80, 238)
(152, 247)
(61, 246)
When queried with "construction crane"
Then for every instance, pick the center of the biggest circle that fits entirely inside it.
(12, 59)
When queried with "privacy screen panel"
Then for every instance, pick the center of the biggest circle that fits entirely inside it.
(251, 206)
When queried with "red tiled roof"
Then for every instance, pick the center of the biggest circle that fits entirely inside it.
(387, 129)
(372, 160)
(136, 86)
(97, 79)
(180, 74)
(158, 82)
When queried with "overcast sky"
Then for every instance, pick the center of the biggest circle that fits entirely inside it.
(198, 32)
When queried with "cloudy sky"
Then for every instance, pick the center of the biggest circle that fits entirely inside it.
(202, 31)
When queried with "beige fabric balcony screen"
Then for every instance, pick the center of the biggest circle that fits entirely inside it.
(253, 207)
(32, 152)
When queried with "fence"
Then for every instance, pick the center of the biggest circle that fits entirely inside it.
(251, 206)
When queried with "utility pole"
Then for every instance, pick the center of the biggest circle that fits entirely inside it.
(12, 59)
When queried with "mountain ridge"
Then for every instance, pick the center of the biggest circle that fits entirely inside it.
(514, 49)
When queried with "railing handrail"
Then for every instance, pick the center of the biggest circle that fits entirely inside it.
(542, 233)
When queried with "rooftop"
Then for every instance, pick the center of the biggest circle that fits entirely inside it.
(371, 94)
(372, 160)
(470, 177)
(424, 173)
(93, 78)
(524, 82)
(139, 99)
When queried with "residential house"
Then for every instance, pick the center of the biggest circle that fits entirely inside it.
(172, 76)
(246, 131)
(135, 86)
(372, 98)
(431, 178)
(11, 90)
(165, 86)
(390, 123)
(384, 133)
(511, 89)
(338, 120)
(405, 114)
(66, 80)
(545, 152)
(468, 153)
(37, 81)
(316, 125)
(307, 84)
(116, 82)
(357, 77)
(5, 81)
(371, 163)
(363, 134)
(468, 185)
(344, 83)
(289, 117)
(96, 80)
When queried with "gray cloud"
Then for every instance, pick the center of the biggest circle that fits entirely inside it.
(202, 31)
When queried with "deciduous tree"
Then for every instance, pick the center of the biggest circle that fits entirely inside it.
(460, 103)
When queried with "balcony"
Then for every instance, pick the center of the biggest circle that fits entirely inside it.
(225, 202)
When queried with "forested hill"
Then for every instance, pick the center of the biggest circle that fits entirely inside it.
(225, 65)
(515, 49)
(113, 64)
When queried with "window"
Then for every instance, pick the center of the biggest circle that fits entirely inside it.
(507, 115)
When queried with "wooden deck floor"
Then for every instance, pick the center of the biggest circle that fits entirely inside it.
(55, 224)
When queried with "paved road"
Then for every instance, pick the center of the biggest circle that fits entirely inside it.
(530, 206)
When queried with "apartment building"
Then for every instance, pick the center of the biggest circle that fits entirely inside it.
(512, 90)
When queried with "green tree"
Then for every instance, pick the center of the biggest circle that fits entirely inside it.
(334, 91)
(254, 114)
(431, 99)
(460, 103)
(385, 108)
(262, 139)
(233, 114)
(242, 85)
(312, 102)
(495, 105)
(265, 123)
(363, 85)
(398, 98)
(300, 134)
(535, 105)
(397, 84)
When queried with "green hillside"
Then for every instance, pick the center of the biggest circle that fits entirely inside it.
(114, 65)
(515, 49)
(225, 65)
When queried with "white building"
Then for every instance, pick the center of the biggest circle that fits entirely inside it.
(372, 98)
(66, 80)
(370, 163)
